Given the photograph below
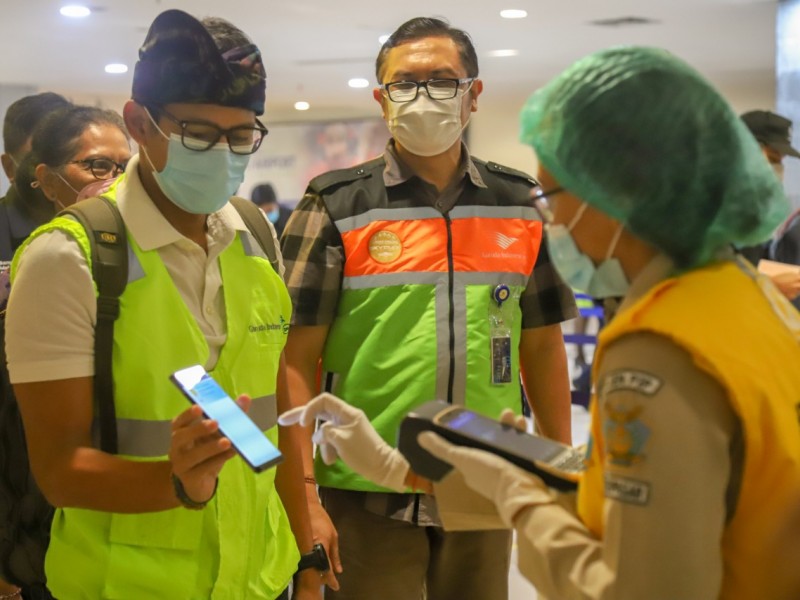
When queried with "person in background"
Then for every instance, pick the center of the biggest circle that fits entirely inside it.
(263, 196)
(774, 135)
(17, 217)
(175, 513)
(693, 465)
(422, 274)
(71, 149)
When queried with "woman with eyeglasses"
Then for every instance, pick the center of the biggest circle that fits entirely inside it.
(648, 179)
(74, 148)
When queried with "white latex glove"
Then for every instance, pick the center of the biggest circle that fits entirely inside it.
(348, 434)
(509, 487)
(510, 418)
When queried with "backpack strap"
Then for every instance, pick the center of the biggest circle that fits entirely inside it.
(253, 217)
(100, 217)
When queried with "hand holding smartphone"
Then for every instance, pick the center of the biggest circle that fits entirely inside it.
(245, 436)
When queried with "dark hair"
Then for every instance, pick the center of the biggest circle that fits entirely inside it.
(55, 139)
(225, 34)
(263, 194)
(23, 116)
(423, 27)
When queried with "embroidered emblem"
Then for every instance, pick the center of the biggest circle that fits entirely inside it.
(630, 491)
(503, 240)
(385, 246)
(640, 382)
(625, 435)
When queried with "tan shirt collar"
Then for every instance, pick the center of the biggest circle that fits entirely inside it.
(397, 172)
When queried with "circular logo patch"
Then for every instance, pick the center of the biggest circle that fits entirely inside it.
(385, 247)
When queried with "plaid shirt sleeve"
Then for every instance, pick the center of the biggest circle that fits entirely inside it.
(314, 259)
(547, 300)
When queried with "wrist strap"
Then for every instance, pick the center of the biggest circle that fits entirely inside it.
(183, 497)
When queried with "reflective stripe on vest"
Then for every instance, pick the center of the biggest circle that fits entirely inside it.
(151, 438)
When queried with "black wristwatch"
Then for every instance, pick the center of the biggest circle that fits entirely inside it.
(316, 559)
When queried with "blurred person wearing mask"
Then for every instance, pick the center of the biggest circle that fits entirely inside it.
(421, 274)
(72, 149)
(263, 196)
(175, 514)
(647, 179)
(64, 146)
(774, 135)
(19, 218)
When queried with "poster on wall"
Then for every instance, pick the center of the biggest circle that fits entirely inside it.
(294, 153)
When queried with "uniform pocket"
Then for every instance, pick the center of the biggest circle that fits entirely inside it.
(154, 555)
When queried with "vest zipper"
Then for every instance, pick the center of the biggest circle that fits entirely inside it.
(451, 314)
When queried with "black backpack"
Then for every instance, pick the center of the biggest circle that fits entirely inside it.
(25, 515)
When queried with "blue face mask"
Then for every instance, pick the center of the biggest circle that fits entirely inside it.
(274, 215)
(199, 182)
(578, 270)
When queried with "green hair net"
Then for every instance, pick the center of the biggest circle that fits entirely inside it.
(642, 137)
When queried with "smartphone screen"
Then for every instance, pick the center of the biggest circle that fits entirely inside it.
(502, 436)
(245, 436)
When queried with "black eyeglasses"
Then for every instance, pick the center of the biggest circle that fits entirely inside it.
(101, 167)
(202, 135)
(541, 204)
(437, 89)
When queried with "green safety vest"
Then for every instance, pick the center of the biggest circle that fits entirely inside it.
(416, 309)
(241, 545)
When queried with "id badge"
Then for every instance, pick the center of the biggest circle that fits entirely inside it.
(501, 360)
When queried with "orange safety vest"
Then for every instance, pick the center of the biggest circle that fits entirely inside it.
(416, 316)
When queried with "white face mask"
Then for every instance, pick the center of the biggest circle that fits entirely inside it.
(426, 127)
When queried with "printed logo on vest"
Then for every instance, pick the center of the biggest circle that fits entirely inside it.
(385, 246)
(504, 241)
(282, 326)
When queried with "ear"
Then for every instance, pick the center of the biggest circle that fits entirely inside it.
(475, 91)
(47, 181)
(380, 98)
(136, 120)
(9, 167)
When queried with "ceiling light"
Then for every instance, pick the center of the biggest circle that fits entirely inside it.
(116, 68)
(502, 53)
(301, 105)
(513, 13)
(358, 82)
(76, 11)
(382, 39)
(623, 21)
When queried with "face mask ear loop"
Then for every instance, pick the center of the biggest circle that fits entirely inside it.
(577, 217)
(614, 241)
(153, 121)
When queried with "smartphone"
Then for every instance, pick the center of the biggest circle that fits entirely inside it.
(245, 436)
(557, 464)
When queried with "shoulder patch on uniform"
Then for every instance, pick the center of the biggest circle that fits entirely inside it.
(640, 382)
(629, 491)
(331, 178)
(624, 434)
(503, 170)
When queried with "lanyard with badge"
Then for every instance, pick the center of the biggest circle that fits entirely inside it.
(501, 318)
